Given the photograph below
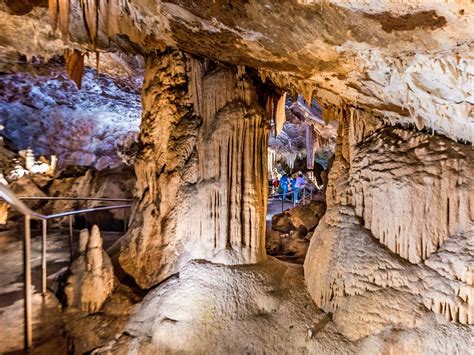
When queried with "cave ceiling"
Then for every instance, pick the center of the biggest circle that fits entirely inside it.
(408, 63)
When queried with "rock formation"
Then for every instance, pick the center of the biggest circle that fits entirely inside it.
(42, 109)
(200, 169)
(290, 232)
(397, 236)
(92, 276)
(391, 261)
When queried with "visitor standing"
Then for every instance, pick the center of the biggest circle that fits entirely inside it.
(284, 186)
(300, 182)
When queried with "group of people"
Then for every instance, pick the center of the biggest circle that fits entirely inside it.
(294, 184)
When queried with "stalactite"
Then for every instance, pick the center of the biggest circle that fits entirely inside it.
(310, 147)
(90, 13)
(75, 66)
(64, 18)
(280, 115)
(308, 95)
(59, 11)
(110, 12)
(290, 158)
(53, 9)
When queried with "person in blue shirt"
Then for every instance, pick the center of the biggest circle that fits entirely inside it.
(284, 186)
(299, 183)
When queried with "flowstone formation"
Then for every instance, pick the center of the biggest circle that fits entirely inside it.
(92, 276)
(397, 237)
(200, 170)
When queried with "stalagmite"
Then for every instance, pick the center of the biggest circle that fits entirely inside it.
(92, 276)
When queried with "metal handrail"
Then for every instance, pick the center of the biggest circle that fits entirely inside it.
(16, 202)
(303, 199)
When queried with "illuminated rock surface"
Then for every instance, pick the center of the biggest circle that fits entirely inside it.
(92, 276)
(390, 265)
(412, 263)
(198, 177)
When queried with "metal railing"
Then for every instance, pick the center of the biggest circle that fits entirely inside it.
(307, 193)
(16, 202)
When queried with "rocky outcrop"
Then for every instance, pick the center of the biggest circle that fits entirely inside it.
(397, 236)
(422, 182)
(290, 232)
(200, 170)
(201, 312)
(92, 277)
(42, 109)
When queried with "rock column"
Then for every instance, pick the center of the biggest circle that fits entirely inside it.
(201, 172)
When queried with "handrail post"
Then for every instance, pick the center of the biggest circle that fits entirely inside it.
(70, 236)
(27, 284)
(43, 258)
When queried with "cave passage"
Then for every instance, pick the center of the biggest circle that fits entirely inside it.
(297, 159)
(217, 177)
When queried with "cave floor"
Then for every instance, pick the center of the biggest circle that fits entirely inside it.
(46, 310)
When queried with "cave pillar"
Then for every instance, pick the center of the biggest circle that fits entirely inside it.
(201, 170)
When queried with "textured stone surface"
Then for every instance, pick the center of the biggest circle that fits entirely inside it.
(42, 109)
(200, 312)
(423, 182)
(412, 263)
(290, 232)
(408, 62)
(199, 178)
(92, 276)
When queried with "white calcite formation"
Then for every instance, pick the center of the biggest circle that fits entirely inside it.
(207, 311)
(199, 171)
(92, 276)
(397, 235)
(412, 191)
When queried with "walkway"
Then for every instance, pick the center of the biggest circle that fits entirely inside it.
(47, 323)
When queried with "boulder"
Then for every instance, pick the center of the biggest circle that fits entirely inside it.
(290, 232)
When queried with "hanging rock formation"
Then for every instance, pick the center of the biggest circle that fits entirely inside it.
(200, 170)
(92, 276)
